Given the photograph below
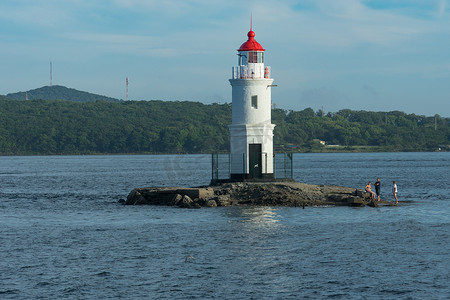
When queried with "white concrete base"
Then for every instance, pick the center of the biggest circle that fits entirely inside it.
(241, 136)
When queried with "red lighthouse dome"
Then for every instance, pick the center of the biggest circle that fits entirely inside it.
(251, 44)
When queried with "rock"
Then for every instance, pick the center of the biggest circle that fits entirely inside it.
(338, 198)
(351, 199)
(176, 200)
(140, 200)
(135, 198)
(201, 193)
(122, 201)
(195, 205)
(211, 203)
(372, 204)
(200, 202)
(367, 195)
(131, 198)
(186, 202)
(355, 201)
(251, 193)
(223, 200)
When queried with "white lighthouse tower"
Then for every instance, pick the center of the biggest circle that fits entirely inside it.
(251, 131)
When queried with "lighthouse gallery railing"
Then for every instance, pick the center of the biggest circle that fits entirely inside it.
(255, 71)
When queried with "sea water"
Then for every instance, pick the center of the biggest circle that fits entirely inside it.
(63, 234)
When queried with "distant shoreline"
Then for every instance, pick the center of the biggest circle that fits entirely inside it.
(48, 127)
(200, 153)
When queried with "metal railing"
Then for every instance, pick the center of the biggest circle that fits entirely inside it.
(221, 166)
(250, 72)
(283, 166)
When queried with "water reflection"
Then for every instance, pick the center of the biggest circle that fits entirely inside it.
(262, 216)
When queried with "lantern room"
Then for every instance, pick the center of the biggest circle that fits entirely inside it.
(251, 60)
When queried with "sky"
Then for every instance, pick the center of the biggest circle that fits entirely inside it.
(374, 55)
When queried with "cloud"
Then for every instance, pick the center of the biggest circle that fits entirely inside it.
(188, 9)
(140, 45)
(345, 24)
(442, 6)
(34, 13)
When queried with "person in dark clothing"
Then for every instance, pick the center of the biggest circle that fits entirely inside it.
(377, 188)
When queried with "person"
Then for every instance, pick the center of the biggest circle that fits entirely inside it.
(377, 188)
(368, 189)
(394, 192)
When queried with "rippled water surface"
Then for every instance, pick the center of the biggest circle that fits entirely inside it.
(63, 235)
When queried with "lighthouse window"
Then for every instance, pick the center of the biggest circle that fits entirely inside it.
(261, 57)
(255, 57)
(255, 102)
(252, 57)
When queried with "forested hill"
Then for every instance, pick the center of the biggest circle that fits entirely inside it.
(65, 127)
(58, 92)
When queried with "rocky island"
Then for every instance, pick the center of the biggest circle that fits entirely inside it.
(293, 194)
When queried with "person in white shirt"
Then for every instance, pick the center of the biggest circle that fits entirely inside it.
(394, 192)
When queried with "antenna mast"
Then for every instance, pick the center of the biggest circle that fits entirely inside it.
(51, 76)
(127, 88)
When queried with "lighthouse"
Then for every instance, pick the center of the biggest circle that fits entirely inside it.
(251, 131)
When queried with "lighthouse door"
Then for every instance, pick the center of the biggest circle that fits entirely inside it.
(255, 160)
